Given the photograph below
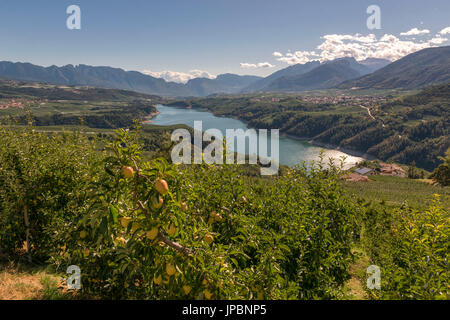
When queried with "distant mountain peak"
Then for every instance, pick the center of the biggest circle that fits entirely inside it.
(312, 75)
(426, 67)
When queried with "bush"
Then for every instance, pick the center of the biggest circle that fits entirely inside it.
(216, 233)
(442, 173)
(43, 184)
(148, 229)
(411, 248)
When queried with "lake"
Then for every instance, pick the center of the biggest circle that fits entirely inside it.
(292, 151)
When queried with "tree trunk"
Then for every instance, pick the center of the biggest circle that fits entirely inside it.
(27, 225)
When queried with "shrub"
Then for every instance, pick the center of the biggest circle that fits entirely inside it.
(411, 248)
(442, 173)
(215, 233)
(43, 184)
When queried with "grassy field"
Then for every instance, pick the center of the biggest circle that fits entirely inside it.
(395, 191)
(22, 282)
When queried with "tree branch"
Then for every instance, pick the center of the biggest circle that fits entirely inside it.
(174, 245)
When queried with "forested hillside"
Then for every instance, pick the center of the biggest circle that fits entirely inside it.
(406, 129)
(426, 67)
(50, 105)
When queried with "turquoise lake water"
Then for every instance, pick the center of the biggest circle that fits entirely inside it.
(291, 151)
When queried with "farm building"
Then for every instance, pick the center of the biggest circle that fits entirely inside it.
(388, 169)
(363, 171)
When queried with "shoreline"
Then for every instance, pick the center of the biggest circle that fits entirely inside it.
(148, 118)
(351, 152)
(310, 140)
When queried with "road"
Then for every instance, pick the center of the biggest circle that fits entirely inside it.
(370, 114)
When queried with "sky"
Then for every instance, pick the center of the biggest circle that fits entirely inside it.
(181, 39)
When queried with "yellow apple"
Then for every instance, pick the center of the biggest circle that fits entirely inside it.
(125, 221)
(208, 238)
(207, 294)
(156, 203)
(157, 280)
(170, 269)
(135, 226)
(171, 229)
(187, 289)
(127, 172)
(152, 233)
(161, 186)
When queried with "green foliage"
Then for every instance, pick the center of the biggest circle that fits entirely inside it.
(393, 192)
(44, 177)
(217, 233)
(442, 173)
(405, 129)
(411, 248)
(414, 173)
(53, 105)
(263, 246)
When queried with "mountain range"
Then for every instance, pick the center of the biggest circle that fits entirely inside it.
(316, 76)
(419, 69)
(223, 83)
(104, 77)
(324, 76)
(426, 67)
(293, 70)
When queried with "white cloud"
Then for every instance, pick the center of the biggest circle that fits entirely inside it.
(246, 65)
(445, 31)
(181, 77)
(361, 47)
(298, 57)
(438, 39)
(415, 32)
(277, 54)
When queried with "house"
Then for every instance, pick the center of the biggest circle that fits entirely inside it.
(354, 177)
(363, 171)
(388, 169)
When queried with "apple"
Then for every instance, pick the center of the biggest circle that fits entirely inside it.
(125, 221)
(152, 234)
(171, 229)
(156, 203)
(208, 238)
(187, 289)
(127, 172)
(207, 294)
(135, 226)
(161, 186)
(157, 280)
(170, 269)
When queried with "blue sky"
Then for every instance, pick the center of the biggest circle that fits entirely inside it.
(214, 36)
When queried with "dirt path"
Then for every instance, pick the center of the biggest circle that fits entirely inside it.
(370, 114)
(368, 111)
(355, 287)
